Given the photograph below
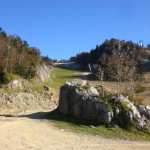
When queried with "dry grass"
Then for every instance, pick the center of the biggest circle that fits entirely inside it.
(126, 89)
(146, 94)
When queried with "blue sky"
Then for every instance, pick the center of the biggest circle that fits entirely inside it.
(63, 28)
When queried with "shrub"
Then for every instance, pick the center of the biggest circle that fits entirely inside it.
(139, 88)
(139, 101)
(8, 77)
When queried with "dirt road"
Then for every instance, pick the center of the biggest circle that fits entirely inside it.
(28, 132)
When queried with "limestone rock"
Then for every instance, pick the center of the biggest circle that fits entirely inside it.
(92, 91)
(83, 101)
(130, 105)
(80, 101)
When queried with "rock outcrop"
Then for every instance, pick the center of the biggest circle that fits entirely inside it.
(19, 83)
(86, 102)
(43, 74)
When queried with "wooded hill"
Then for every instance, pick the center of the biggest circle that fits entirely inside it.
(115, 59)
(17, 57)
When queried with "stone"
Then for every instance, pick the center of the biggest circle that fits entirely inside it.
(46, 88)
(117, 111)
(148, 112)
(130, 115)
(141, 124)
(92, 126)
(108, 117)
(141, 109)
(92, 91)
(15, 84)
(135, 111)
(83, 101)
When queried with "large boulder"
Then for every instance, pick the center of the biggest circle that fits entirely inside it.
(86, 102)
(18, 83)
(81, 101)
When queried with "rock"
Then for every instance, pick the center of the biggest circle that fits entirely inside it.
(130, 115)
(19, 83)
(28, 91)
(46, 88)
(43, 72)
(92, 91)
(108, 117)
(51, 94)
(117, 111)
(84, 82)
(148, 112)
(82, 101)
(93, 127)
(15, 84)
(135, 111)
(62, 130)
(142, 124)
(25, 101)
(141, 109)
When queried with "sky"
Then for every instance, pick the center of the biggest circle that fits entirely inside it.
(63, 28)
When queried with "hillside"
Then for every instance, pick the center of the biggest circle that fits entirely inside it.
(17, 57)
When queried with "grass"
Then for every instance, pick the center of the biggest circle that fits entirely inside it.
(10, 77)
(141, 92)
(59, 76)
(90, 127)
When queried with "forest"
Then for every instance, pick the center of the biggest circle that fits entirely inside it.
(17, 57)
(115, 59)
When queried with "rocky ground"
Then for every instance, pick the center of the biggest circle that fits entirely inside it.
(25, 101)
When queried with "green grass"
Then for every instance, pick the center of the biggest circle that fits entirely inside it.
(83, 126)
(59, 76)
(9, 77)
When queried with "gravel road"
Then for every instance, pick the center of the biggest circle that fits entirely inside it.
(27, 132)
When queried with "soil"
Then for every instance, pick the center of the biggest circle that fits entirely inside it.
(26, 131)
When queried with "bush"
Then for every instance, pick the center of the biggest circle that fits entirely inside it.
(139, 101)
(139, 88)
(8, 77)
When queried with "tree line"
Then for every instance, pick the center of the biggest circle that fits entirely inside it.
(114, 60)
(17, 57)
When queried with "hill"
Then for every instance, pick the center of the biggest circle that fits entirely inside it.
(17, 57)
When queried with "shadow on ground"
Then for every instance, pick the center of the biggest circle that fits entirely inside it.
(83, 77)
(54, 115)
(36, 115)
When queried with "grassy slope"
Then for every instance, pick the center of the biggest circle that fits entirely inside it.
(112, 86)
(88, 127)
(59, 76)
(146, 94)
